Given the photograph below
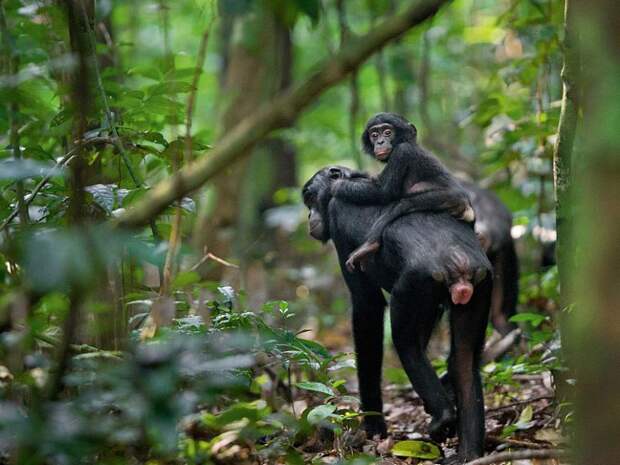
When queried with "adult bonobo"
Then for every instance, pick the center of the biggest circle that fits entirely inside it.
(422, 256)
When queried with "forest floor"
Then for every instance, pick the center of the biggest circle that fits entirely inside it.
(520, 414)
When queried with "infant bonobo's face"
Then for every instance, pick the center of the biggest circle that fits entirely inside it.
(381, 137)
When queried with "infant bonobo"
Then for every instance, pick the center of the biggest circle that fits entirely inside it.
(413, 180)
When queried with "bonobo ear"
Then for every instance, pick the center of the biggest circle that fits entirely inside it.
(414, 129)
(334, 172)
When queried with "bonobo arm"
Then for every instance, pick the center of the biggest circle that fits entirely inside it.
(385, 188)
(453, 200)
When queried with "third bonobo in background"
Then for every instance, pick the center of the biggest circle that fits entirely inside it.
(412, 180)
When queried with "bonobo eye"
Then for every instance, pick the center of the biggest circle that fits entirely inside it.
(374, 134)
(387, 132)
(335, 173)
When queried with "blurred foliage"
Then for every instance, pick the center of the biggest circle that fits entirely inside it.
(199, 374)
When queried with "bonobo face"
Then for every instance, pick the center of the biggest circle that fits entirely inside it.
(316, 196)
(381, 137)
(384, 132)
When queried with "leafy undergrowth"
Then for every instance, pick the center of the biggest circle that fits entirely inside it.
(235, 386)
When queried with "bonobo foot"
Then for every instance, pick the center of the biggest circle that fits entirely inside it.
(374, 425)
(442, 427)
(360, 255)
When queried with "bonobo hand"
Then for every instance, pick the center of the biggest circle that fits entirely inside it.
(463, 211)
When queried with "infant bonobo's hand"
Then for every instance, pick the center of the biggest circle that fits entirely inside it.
(468, 215)
(463, 211)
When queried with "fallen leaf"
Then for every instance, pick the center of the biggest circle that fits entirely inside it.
(417, 449)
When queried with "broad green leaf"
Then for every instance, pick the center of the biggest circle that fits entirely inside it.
(103, 195)
(417, 449)
(315, 387)
(320, 413)
(535, 319)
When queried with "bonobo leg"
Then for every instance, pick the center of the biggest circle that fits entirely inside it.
(373, 239)
(467, 327)
(360, 255)
(368, 310)
(414, 312)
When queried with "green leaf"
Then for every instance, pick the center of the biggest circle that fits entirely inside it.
(525, 419)
(417, 449)
(315, 387)
(253, 411)
(535, 319)
(170, 88)
(103, 195)
(155, 137)
(320, 413)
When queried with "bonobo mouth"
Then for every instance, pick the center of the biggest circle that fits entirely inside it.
(315, 229)
(382, 154)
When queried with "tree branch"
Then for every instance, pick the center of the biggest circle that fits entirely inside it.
(501, 347)
(278, 114)
(520, 455)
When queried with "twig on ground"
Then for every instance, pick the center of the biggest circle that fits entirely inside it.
(501, 347)
(515, 442)
(521, 455)
(520, 402)
(215, 258)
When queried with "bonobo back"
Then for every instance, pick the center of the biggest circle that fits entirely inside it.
(434, 243)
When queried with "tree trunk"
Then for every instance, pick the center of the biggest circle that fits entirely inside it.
(592, 330)
(563, 153)
(258, 65)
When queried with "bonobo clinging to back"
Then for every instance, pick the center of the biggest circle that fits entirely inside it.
(412, 176)
(426, 259)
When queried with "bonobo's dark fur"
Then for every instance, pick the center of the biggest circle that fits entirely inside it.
(416, 247)
(493, 225)
(413, 180)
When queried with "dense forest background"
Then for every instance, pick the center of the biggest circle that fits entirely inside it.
(161, 300)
